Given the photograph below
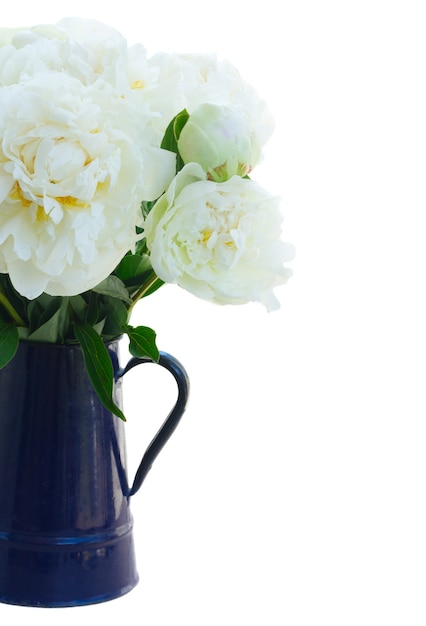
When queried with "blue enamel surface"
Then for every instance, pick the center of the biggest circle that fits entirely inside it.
(65, 524)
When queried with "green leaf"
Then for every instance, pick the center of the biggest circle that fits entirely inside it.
(49, 324)
(113, 286)
(9, 340)
(146, 207)
(132, 267)
(179, 122)
(173, 130)
(142, 342)
(79, 307)
(116, 315)
(136, 271)
(17, 302)
(98, 365)
(23, 333)
(92, 312)
(99, 326)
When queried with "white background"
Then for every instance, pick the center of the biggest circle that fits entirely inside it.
(293, 492)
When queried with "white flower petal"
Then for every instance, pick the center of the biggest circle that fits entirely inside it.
(6, 184)
(220, 241)
(78, 153)
(27, 279)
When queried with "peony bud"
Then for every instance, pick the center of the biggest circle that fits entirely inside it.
(221, 139)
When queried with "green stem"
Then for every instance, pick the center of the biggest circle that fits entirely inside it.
(147, 285)
(12, 312)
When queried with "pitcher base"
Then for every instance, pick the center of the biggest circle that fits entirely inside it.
(66, 575)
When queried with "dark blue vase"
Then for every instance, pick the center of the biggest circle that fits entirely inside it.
(65, 524)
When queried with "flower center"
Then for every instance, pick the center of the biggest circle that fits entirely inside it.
(67, 202)
(219, 232)
(138, 84)
(16, 193)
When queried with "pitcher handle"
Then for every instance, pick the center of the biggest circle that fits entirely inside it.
(171, 364)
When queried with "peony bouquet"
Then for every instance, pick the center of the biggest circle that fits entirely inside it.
(120, 172)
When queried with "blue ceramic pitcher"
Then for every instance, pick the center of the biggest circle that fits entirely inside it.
(65, 524)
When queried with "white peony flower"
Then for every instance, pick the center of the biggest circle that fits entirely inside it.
(78, 153)
(85, 49)
(221, 139)
(220, 241)
(182, 81)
